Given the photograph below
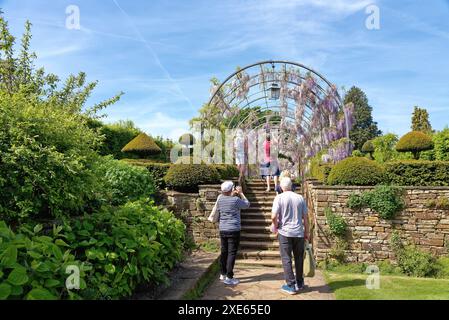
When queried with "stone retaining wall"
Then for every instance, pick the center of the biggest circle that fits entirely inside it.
(193, 209)
(368, 235)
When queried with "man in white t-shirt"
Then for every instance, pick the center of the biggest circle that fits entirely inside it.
(290, 221)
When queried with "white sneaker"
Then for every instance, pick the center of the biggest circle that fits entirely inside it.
(231, 282)
(222, 277)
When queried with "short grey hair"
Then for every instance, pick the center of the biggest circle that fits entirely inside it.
(286, 183)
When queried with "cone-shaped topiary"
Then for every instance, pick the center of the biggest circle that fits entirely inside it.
(368, 147)
(142, 145)
(415, 142)
(357, 172)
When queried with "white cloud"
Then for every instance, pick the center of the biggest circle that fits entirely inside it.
(165, 125)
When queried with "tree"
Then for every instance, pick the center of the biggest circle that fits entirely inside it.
(364, 127)
(368, 147)
(48, 150)
(415, 142)
(384, 147)
(420, 120)
(142, 145)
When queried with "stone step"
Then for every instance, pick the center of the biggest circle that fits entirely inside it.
(249, 236)
(255, 222)
(260, 197)
(259, 245)
(266, 209)
(256, 214)
(261, 203)
(258, 254)
(275, 263)
(256, 229)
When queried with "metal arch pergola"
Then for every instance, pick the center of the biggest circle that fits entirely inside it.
(248, 87)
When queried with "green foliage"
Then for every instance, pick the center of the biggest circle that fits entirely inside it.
(142, 145)
(337, 224)
(356, 171)
(368, 147)
(420, 120)
(226, 171)
(441, 203)
(415, 142)
(417, 173)
(127, 246)
(318, 169)
(385, 148)
(384, 200)
(47, 154)
(33, 264)
(364, 127)
(411, 260)
(47, 149)
(187, 177)
(157, 170)
(357, 153)
(124, 182)
(117, 135)
(337, 254)
(441, 142)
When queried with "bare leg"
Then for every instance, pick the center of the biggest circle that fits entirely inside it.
(276, 182)
(241, 174)
(268, 183)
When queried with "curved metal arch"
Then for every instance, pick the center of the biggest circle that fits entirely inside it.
(272, 62)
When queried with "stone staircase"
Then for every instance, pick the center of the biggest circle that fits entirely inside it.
(258, 246)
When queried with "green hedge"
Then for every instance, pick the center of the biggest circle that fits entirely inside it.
(356, 171)
(417, 173)
(187, 177)
(157, 170)
(226, 171)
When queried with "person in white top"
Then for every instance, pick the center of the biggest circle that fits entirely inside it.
(239, 147)
(290, 221)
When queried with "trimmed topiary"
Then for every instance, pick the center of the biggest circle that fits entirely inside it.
(357, 171)
(415, 142)
(187, 177)
(368, 147)
(142, 145)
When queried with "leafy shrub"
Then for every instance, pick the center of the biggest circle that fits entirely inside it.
(124, 182)
(337, 224)
(411, 260)
(47, 155)
(135, 243)
(33, 264)
(187, 177)
(384, 148)
(157, 170)
(226, 171)
(47, 148)
(441, 203)
(441, 142)
(415, 142)
(368, 147)
(356, 171)
(338, 251)
(417, 173)
(117, 135)
(385, 200)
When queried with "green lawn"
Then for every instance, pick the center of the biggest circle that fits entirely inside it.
(351, 286)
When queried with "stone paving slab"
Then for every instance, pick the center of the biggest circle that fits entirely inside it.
(264, 283)
(183, 277)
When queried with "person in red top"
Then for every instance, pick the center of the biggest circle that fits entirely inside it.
(271, 164)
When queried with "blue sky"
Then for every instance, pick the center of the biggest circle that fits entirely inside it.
(163, 53)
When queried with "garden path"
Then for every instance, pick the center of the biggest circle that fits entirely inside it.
(264, 283)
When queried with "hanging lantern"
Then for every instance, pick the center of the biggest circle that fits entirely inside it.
(275, 91)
